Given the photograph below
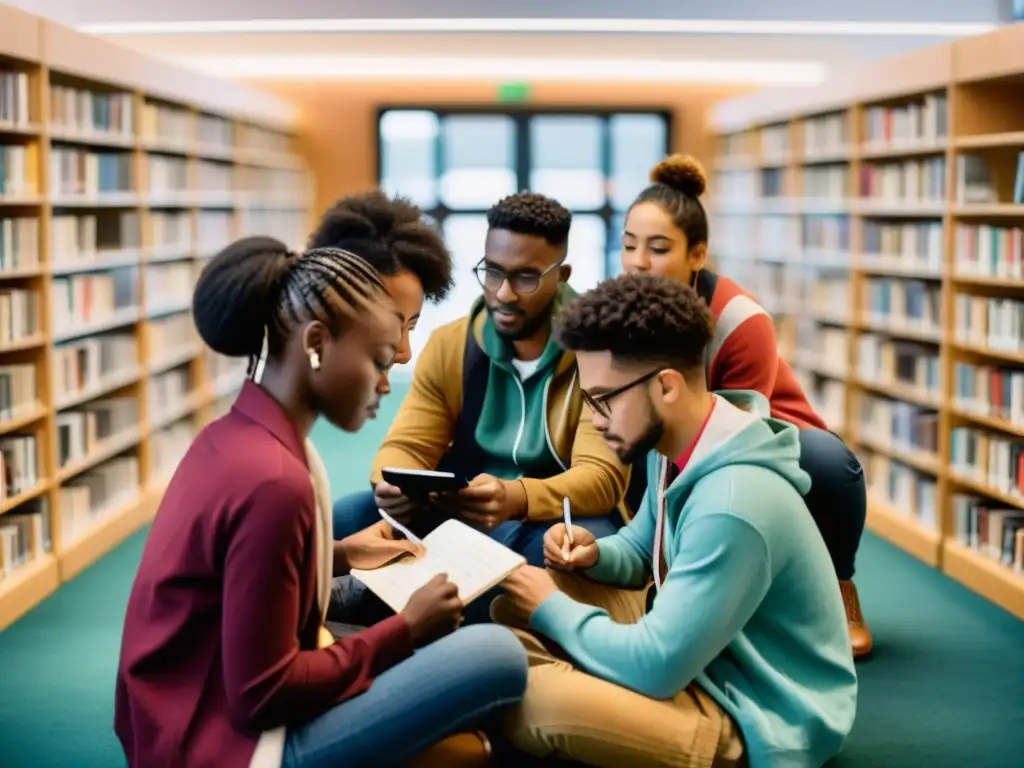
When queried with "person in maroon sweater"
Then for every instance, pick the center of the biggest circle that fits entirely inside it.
(666, 233)
(223, 659)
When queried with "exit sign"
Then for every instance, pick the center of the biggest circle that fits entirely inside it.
(512, 92)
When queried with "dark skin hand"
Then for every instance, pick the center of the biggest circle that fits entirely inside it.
(487, 501)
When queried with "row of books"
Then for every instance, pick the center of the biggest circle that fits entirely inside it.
(19, 464)
(827, 397)
(992, 459)
(826, 233)
(77, 110)
(774, 141)
(823, 348)
(921, 180)
(990, 528)
(18, 394)
(88, 365)
(77, 172)
(88, 239)
(87, 428)
(161, 122)
(900, 425)
(829, 297)
(883, 360)
(989, 251)
(19, 315)
(168, 391)
(170, 333)
(14, 100)
(83, 300)
(992, 323)
(915, 243)
(15, 179)
(921, 121)
(169, 285)
(825, 134)
(89, 497)
(167, 447)
(826, 182)
(902, 488)
(902, 303)
(989, 390)
(24, 536)
(19, 243)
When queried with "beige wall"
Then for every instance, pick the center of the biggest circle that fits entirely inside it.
(339, 118)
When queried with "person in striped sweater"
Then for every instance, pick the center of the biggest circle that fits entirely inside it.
(666, 233)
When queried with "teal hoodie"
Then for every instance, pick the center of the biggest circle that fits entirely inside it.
(511, 431)
(750, 606)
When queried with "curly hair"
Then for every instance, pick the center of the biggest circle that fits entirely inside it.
(528, 213)
(677, 183)
(640, 318)
(391, 235)
(256, 284)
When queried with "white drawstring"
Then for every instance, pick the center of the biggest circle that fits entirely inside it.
(261, 361)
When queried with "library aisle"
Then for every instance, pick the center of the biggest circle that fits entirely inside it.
(119, 177)
(883, 215)
(938, 648)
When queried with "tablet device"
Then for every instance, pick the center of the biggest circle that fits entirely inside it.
(422, 482)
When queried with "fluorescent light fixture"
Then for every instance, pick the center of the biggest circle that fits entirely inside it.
(293, 67)
(593, 26)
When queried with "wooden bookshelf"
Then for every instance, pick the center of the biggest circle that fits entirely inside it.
(120, 176)
(880, 218)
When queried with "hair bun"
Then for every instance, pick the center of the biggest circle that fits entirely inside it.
(683, 173)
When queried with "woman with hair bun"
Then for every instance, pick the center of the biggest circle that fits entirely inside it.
(224, 657)
(666, 233)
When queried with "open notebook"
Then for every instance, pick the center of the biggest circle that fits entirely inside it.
(473, 561)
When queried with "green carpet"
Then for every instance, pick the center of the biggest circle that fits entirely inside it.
(944, 688)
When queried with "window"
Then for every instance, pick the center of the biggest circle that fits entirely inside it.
(455, 164)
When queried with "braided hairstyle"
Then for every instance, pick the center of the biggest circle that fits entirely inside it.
(257, 285)
(391, 235)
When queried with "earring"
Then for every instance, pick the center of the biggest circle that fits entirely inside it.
(314, 360)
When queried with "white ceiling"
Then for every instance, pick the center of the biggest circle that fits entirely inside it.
(677, 54)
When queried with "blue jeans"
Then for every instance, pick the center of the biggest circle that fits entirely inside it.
(455, 683)
(358, 511)
(838, 497)
(355, 512)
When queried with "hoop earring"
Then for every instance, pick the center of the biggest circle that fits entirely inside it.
(314, 360)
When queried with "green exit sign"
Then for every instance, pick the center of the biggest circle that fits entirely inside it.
(511, 92)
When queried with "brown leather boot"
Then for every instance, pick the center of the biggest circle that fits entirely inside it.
(860, 636)
(470, 749)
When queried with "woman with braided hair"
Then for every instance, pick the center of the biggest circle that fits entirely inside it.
(224, 661)
(666, 233)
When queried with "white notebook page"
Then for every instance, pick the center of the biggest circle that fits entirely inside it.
(473, 561)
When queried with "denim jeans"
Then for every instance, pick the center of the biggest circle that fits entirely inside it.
(461, 681)
(359, 510)
(838, 496)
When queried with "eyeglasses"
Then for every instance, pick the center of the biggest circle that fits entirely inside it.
(599, 403)
(524, 281)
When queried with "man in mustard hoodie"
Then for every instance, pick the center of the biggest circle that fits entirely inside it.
(497, 400)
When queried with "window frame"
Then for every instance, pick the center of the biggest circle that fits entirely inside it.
(522, 114)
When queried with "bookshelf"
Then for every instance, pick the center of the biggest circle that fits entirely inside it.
(119, 177)
(880, 217)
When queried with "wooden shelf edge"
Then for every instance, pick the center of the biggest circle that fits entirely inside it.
(904, 532)
(990, 579)
(118, 526)
(29, 587)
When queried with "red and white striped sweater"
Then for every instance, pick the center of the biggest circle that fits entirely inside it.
(744, 353)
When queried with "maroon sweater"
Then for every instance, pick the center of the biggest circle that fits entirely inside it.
(220, 636)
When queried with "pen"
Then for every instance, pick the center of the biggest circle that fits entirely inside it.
(400, 528)
(567, 516)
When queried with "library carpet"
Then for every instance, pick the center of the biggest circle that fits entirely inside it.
(943, 689)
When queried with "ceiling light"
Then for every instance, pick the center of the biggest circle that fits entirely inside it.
(616, 26)
(286, 66)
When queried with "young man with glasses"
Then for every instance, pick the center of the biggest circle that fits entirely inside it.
(495, 399)
(711, 630)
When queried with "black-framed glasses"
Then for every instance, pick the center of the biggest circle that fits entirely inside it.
(599, 403)
(521, 282)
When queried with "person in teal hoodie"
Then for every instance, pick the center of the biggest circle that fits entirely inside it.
(710, 631)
